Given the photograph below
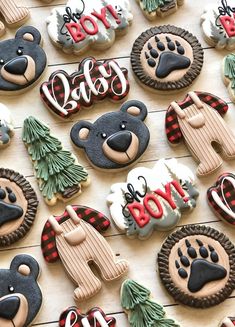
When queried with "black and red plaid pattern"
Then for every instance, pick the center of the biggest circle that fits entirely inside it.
(226, 191)
(91, 216)
(226, 325)
(75, 318)
(57, 91)
(173, 132)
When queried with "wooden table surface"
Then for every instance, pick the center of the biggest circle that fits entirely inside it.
(56, 286)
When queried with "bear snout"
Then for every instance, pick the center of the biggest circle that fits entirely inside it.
(17, 66)
(13, 310)
(9, 307)
(120, 141)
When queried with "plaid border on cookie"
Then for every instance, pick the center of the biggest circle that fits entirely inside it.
(229, 194)
(76, 319)
(48, 243)
(55, 85)
(173, 132)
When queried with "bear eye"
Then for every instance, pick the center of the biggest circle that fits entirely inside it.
(103, 135)
(19, 52)
(1, 62)
(123, 126)
(11, 289)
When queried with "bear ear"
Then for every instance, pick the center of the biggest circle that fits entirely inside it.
(25, 265)
(80, 133)
(135, 108)
(29, 33)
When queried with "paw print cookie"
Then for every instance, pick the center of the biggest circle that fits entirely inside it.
(81, 25)
(152, 199)
(94, 81)
(166, 58)
(217, 24)
(116, 139)
(196, 265)
(198, 119)
(95, 317)
(74, 238)
(6, 126)
(22, 61)
(221, 198)
(18, 206)
(227, 322)
(21, 297)
(161, 8)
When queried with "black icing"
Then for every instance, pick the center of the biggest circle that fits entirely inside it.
(9, 307)
(120, 141)
(9, 211)
(171, 58)
(17, 66)
(201, 270)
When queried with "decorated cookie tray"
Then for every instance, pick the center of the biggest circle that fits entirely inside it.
(115, 210)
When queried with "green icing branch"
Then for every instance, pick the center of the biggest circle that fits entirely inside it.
(153, 5)
(229, 68)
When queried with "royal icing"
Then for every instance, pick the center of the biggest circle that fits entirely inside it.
(152, 198)
(227, 322)
(162, 8)
(6, 126)
(81, 24)
(228, 72)
(77, 242)
(95, 317)
(218, 24)
(59, 175)
(94, 81)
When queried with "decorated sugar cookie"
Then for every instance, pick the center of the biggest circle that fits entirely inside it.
(152, 199)
(21, 297)
(13, 14)
(221, 197)
(141, 309)
(228, 74)
(22, 61)
(18, 206)
(82, 24)
(58, 173)
(6, 126)
(74, 238)
(218, 24)
(196, 265)
(116, 139)
(94, 81)
(95, 317)
(198, 120)
(227, 322)
(166, 58)
(162, 8)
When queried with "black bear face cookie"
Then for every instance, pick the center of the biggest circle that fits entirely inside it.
(197, 266)
(18, 206)
(22, 61)
(116, 139)
(21, 297)
(166, 58)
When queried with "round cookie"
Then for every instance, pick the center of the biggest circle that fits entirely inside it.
(22, 61)
(18, 206)
(221, 198)
(21, 297)
(94, 81)
(217, 24)
(6, 126)
(166, 58)
(116, 139)
(72, 316)
(197, 266)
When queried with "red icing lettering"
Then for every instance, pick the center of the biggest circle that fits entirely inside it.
(75, 32)
(154, 214)
(228, 24)
(113, 13)
(102, 16)
(138, 213)
(89, 31)
(167, 195)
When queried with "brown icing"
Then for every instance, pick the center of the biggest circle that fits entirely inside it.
(24, 270)
(193, 51)
(28, 37)
(83, 133)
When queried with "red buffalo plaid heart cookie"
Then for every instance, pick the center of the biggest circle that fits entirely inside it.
(227, 322)
(221, 197)
(95, 317)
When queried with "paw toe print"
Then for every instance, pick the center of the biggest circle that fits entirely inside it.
(199, 268)
(166, 57)
(8, 209)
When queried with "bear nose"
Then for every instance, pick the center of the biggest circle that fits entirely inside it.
(17, 66)
(9, 307)
(120, 141)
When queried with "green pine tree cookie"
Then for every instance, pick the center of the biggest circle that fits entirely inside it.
(59, 175)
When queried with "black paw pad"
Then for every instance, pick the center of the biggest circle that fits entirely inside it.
(8, 211)
(170, 57)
